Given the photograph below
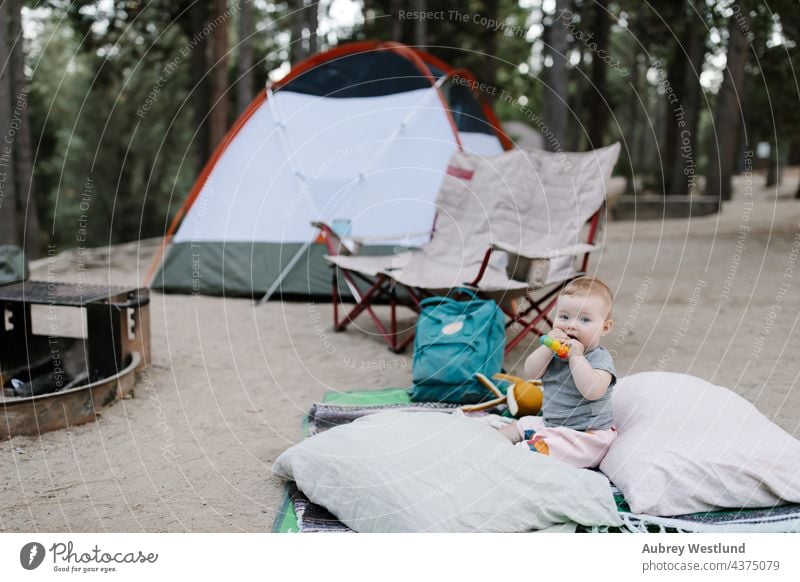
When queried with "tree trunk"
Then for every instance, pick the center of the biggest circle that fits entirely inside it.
(365, 14)
(598, 120)
(555, 101)
(577, 79)
(683, 171)
(490, 37)
(722, 151)
(777, 161)
(23, 170)
(576, 99)
(312, 19)
(219, 76)
(420, 24)
(631, 133)
(244, 94)
(397, 25)
(198, 18)
(651, 152)
(773, 172)
(8, 196)
(299, 50)
(670, 151)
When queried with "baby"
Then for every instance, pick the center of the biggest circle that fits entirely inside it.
(576, 425)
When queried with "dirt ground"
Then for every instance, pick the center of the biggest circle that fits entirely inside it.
(717, 297)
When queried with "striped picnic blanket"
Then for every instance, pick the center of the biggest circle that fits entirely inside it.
(299, 514)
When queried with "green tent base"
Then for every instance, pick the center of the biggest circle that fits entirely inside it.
(245, 269)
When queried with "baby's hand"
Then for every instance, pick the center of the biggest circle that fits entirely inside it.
(558, 334)
(575, 348)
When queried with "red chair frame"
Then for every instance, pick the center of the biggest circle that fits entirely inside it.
(385, 287)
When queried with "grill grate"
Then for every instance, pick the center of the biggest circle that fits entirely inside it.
(44, 293)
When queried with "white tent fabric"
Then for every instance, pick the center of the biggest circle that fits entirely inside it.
(377, 161)
(531, 204)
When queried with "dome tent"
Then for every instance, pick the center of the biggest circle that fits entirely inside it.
(362, 132)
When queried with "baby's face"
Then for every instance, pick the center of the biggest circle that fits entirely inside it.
(583, 317)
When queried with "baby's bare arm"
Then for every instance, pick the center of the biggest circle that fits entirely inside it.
(537, 362)
(591, 383)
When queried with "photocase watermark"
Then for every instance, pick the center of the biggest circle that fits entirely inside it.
(633, 314)
(67, 559)
(569, 21)
(473, 85)
(683, 324)
(327, 346)
(448, 487)
(83, 231)
(521, 104)
(167, 446)
(318, 172)
(198, 219)
(744, 227)
(662, 82)
(15, 122)
(507, 27)
(169, 69)
(5, 161)
(6, 148)
(31, 555)
(53, 335)
(742, 21)
(686, 144)
(774, 311)
(686, 151)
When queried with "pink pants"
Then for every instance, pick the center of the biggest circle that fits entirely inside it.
(582, 449)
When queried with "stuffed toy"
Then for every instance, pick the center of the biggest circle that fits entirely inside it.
(524, 397)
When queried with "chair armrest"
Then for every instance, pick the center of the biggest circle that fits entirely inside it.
(576, 250)
(389, 237)
(568, 251)
(533, 267)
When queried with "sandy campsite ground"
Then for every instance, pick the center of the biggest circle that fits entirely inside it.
(230, 382)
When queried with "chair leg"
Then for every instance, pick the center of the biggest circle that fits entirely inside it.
(393, 315)
(335, 295)
(364, 304)
(401, 347)
(532, 325)
(382, 286)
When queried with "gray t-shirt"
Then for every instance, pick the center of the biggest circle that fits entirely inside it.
(563, 403)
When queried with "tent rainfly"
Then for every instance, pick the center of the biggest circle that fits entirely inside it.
(361, 133)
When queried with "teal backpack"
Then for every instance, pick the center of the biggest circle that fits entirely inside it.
(454, 340)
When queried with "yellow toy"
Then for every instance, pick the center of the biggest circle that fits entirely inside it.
(524, 397)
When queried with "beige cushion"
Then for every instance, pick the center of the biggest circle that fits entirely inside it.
(686, 445)
(431, 471)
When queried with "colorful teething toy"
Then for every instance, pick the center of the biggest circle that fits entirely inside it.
(561, 350)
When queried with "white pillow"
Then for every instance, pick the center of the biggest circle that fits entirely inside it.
(686, 445)
(430, 471)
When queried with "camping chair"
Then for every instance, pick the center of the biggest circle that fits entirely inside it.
(458, 255)
(566, 203)
(369, 280)
(532, 206)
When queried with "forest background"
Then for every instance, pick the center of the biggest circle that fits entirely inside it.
(123, 102)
